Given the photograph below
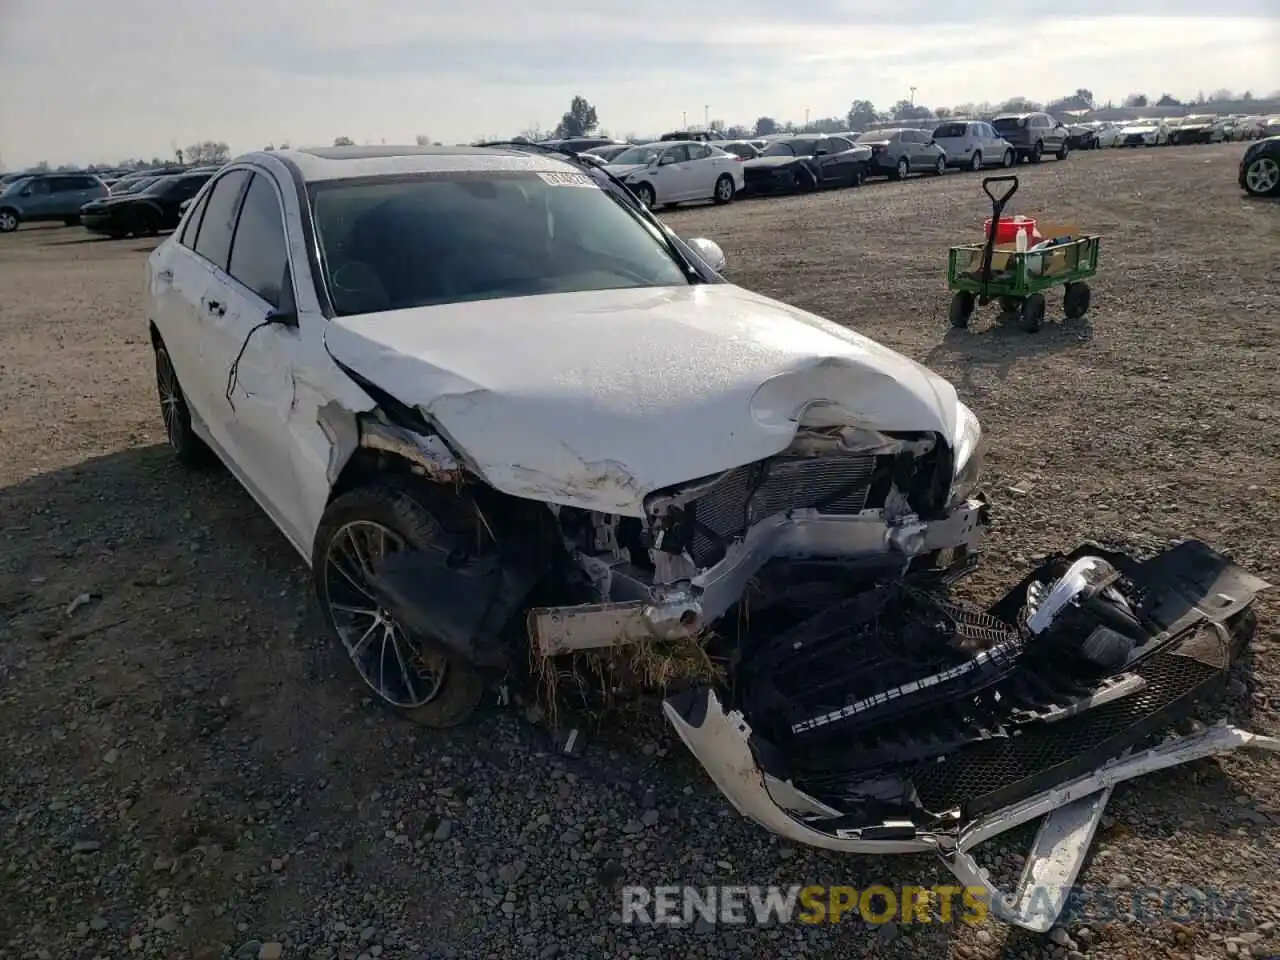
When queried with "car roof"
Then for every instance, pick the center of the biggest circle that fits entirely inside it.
(315, 164)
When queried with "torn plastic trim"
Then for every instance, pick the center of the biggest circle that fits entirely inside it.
(721, 742)
(684, 609)
(425, 450)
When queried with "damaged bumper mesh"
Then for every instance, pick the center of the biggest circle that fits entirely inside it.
(903, 720)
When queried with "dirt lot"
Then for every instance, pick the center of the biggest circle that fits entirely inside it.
(187, 770)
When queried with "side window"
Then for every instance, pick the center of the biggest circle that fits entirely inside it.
(213, 241)
(258, 254)
(699, 152)
(38, 188)
(190, 228)
(62, 184)
(675, 154)
(840, 145)
(825, 145)
(187, 187)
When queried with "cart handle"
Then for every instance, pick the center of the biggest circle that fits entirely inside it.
(1002, 200)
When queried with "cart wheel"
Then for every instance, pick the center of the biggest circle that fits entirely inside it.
(1010, 304)
(1075, 300)
(961, 309)
(1033, 313)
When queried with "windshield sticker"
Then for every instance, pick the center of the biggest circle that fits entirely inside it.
(567, 179)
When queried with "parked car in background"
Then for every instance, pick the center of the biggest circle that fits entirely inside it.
(973, 144)
(1033, 135)
(1106, 133)
(1149, 132)
(608, 151)
(48, 196)
(125, 187)
(1197, 129)
(742, 149)
(696, 136)
(1260, 168)
(1081, 136)
(667, 173)
(1269, 126)
(807, 162)
(145, 212)
(898, 153)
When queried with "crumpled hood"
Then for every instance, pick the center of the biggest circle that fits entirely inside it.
(621, 170)
(598, 399)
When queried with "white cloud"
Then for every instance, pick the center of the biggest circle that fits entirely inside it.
(83, 81)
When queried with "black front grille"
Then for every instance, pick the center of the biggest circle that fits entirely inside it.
(1135, 139)
(743, 497)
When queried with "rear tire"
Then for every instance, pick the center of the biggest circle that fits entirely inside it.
(188, 448)
(976, 163)
(1075, 300)
(961, 309)
(427, 685)
(1037, 152)
(725, 189)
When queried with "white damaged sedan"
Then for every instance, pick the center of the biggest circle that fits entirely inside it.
(510, 421)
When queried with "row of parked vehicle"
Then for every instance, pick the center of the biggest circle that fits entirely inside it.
(1165, 131)
(139, 203)
(689, 165)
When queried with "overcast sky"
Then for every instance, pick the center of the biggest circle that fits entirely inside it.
(86, 80)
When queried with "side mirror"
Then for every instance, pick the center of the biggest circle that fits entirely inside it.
(709, 251)
(284, 316)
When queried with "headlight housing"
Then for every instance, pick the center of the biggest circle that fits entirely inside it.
(968, 457)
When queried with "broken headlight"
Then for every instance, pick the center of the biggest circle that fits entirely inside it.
(968, 454)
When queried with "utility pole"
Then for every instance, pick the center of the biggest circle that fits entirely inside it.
(706, 116)
(806, 118)
(913, 96)
(684, 119)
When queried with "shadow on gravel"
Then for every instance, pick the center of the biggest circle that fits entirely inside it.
(999, 343)
(91, 238)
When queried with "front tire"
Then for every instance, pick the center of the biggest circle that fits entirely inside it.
(1008, 159)
(1262, 177)
(1033, 313)
(189, 449)
(1063, 151)
(144, 223)
(406, 673)
(644, 193)
(976, 163)
(961, 309)
(903, 168)
(9, 221)
(725, 189)
(940, 167)
(71, 221)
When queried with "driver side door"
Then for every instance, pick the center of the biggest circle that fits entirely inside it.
(671, 177)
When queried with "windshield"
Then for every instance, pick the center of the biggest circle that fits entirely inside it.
(1004, 124)
(950, 130)
(133, 186)
(16, 185)
(638, 155)
(427, 240)
(608, 153)
(791, 148)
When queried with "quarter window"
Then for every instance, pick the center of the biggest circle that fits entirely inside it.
(213, 241)
(258, 255)
(192, 225)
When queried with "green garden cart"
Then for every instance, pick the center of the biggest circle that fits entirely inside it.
(979, 273)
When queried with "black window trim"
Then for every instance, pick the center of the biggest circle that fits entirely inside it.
(253, 169)
(284, 233)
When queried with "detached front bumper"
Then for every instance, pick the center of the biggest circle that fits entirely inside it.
(1072, 811)
(1058, 760)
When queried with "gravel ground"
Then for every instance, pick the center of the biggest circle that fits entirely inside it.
(187, 770)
